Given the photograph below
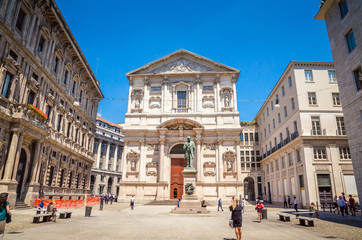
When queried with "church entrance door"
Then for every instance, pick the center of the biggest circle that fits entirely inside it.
(177, 180)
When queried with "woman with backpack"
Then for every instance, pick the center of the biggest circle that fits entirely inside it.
(4, 211)
(259, 208)
(236, 217)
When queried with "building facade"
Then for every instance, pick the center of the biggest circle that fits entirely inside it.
(303, 139)
(48, 105)
(108, 148)
(183, 94)
(344, 25)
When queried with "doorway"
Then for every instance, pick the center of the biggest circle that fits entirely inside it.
(177, 180)
(249, 190)
(20, 174)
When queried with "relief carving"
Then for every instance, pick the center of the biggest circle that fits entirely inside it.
(152, 147)
(208, 102)
(209, 146)
(136, 97)
(180, 126)
(182, 65)
(155, 103)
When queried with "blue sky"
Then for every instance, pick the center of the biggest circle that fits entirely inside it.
(257, 37)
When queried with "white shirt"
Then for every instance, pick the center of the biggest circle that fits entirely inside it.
(295, 201)
(132, 199)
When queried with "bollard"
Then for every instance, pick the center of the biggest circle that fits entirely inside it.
(88, 211)
(264, 213)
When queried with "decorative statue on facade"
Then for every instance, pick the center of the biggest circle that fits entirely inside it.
(227, 101)
(229, 166)
(189, 147)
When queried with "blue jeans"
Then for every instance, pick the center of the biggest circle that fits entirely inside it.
(296, 207)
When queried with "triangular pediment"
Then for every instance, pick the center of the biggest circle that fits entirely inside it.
(182, 61)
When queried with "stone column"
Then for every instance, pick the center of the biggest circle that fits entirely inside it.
(107, 156)
(233, 81)
(238, 160)
(217, 93)
(17, 156)
(296, 177)
(142, 174)
(36, 160)
(220, 162)
(281, 177)
(197, 101)
(11, 155)
(115, 158)
(99, 153)
(146, 95)
(198, 155)
(124, 161)
(162, 160)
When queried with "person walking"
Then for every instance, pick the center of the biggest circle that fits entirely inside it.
(259, 209)
(289, 204)
(236, 217)
(296, 204)
(285, 202)
(101, 201)
(341, 203)
(219, 205)
(178, 202)
(352, 205)
(4, 210)
(111, 198)
(244, 205)
(132, 202)
(346, 207)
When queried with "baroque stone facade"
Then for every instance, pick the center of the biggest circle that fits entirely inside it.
(48, 105)
(344, 25)
(180, 95)
(108, 148)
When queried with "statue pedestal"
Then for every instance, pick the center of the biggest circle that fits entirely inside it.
(190, 204)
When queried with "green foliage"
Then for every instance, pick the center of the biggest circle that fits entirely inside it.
(247, 123)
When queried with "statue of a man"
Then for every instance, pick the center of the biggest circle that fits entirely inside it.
(189, 147)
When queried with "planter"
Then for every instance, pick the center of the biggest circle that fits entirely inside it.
(40, 113)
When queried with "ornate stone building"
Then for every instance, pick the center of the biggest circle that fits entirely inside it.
(344, 25)
(48, 104)
(108, 148)
(183, 94)
(303, 139)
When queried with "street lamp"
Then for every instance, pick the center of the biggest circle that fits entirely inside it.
(277, 103)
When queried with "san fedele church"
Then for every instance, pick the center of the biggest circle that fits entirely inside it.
(182, 94)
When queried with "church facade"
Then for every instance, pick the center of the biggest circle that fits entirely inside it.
(180, 95)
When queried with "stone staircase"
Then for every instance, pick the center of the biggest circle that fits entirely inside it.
(21, 206)
(171, 202)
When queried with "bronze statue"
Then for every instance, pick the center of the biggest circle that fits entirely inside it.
(189, 147)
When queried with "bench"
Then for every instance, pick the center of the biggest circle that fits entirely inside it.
(65, 214)
(285, 217)
(299, 213)
(46, 217)
(303, 220)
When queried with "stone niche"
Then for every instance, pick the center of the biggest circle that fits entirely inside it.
(226, 95)
(132, 165)
(136, 100)
(229, 159)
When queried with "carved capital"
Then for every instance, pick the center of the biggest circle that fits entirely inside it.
(237, 142)
(219, 142)
(162, 141)
(198, 141)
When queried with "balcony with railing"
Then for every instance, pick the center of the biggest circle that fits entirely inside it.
(281, 144)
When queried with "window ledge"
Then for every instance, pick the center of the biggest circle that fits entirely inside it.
(309, 82)
(313, 105)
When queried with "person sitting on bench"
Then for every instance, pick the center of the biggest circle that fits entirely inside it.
(313, 208)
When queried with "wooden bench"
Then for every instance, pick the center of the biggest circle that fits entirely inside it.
(65, 214)
(299, 213)
(46, 217)
(285, 217)
(303, 220)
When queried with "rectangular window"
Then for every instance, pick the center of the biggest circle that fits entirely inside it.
(308, 75)
(292, 102)
(298, 155)
(155, 89)
(316, 126)
(59, 125)
(343, 8)
(251, 137)
(279, 119)
(68, 129)
(290, 81)
(263, 116)
(301, 181)
(56, 62)
(290, 159)
(65, 77)
(336, 100)
(358, 78)
(13, 55)
(264, 132)
(73, 88)
(48, 111)
(267, 111)
(41, 45)
(246, 137)
(272, 105)
(295, 126)
(207, 88)
(273, 123)
(241, 137)
(5, 90)
(20, 19)
(332, 76)
(283, 91)
(344, 153)
(269, 128)
(285, 111)
(341, 130)
(181, 101)
(35, 76)
(351, 41)
(319, 153)
(312, 98)
(283, 162)
(31, 97)
(256, 137)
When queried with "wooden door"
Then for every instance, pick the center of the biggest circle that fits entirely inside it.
(177, 180)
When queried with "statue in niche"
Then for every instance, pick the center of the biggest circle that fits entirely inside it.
(229, 166)
(137, 98)
(227, 101)
(226, 95)
(133, 166)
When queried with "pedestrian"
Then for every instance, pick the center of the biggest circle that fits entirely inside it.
(335, 205)
(132, 202)
(178, 202)
(259, 209)
(289, 204)
(4, 210)
(236, 217)
(296, 204)
(219, 205)
(346, 207)
(352, 205)
(244, 205)
(313, 208)
(101, 201)
(341, 203)
(285, 202)
(41, 204)
(111, 198)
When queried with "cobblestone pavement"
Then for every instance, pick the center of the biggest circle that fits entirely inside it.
(117, 221)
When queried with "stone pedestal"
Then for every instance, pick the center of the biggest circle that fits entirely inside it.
(190, 204)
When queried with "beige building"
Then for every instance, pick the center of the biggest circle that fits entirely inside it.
(303, 140)
(344, 24)
(108, 148)
(42, 66)
(184, 94)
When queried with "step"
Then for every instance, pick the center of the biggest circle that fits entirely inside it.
(21, 205)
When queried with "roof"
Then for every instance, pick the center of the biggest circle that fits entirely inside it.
(323, 9)
(108, 122)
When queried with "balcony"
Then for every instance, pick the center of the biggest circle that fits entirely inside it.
(318, 132)
(341, 132)
(281, 144)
